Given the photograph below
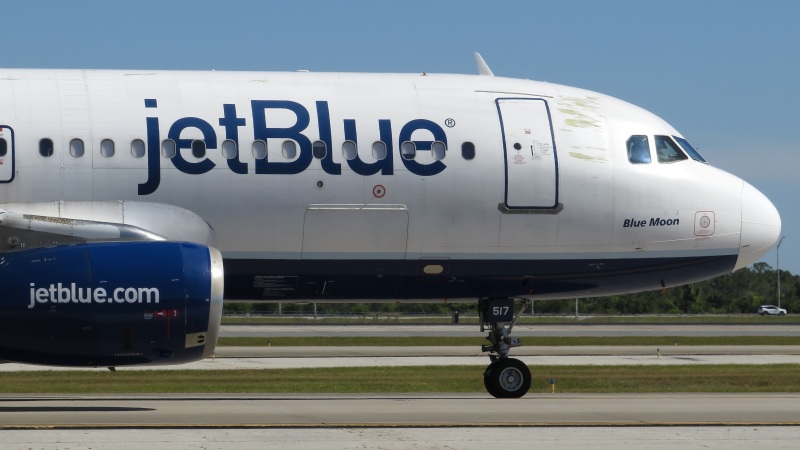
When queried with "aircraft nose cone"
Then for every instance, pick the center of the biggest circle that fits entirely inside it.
(761, 226)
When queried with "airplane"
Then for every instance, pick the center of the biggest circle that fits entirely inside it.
(132, 202)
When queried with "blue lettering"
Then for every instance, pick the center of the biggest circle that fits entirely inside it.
(262, 132)
(384, 166)
(438, 135)
(153, 152)
(633, 223)
(324, 123)
(209, 136)
(656, 222)
(232, 124)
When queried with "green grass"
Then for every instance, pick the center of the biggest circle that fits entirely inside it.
(666, 341)
(454, 379)
(673, 379)
(469, 319)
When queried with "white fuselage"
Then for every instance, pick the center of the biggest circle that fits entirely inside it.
(568, 196)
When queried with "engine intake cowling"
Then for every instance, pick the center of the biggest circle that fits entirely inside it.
(110, 304)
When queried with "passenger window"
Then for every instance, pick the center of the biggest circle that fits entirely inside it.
(438, 150)
(3, 147)
(349, 150)
(106, 148)
(137, 148)
(468, 150)
(198, 148)
(319, 149)
(259, 149)
(408, 150)
(379, 150)
(289, 149)
(668, 151)
(76, 148)
(46, 147)
(168, 148)
(638, 149)
(229, 150)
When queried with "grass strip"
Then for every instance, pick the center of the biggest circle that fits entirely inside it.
(468, 319)
(422, 341)
(435, 379)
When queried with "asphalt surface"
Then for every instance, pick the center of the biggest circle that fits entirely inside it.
(669, 421)
(226, 422)
(463, 330)
(462, 438)
(360, 410)
(234, 358)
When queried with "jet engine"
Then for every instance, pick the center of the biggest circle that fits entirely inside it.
(110, 303)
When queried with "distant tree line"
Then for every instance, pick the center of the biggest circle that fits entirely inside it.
(740, 292)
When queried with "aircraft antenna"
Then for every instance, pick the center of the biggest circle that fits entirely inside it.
(483, 68)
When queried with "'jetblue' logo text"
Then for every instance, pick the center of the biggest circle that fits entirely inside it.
(260, 112)
(58, 293)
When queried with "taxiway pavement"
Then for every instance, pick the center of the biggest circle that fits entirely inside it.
(467, 421)
(235, 358)
(330, 421)
(545, 330)
(463, 438)
(409, 410)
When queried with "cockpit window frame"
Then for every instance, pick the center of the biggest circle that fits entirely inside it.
(638, 148)
(689, 149)
(672, 153)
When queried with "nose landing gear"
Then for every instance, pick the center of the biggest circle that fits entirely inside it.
(505, 377)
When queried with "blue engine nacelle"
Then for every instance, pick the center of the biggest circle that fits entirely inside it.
(110, 304)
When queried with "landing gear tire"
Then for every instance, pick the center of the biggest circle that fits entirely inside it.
(507, 378)
(488, 380)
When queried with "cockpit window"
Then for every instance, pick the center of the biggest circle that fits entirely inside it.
(667, 151)
(638, 149)
(687, 147)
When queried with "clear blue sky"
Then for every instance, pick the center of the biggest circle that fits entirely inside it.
(726, 74)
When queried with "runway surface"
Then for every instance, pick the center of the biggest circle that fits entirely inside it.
(461, 330)
(692, 421)
(410, 410)
(230, 358)
(402, 421)
(337, 438)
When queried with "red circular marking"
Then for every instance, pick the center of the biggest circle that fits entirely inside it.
(379, 191)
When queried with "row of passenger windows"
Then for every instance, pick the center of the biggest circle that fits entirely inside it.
(319, 149)
(667, 150)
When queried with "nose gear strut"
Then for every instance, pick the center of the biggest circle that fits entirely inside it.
(505, 377)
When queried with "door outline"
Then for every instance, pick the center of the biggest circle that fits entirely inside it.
(11, 153)
(505, 207)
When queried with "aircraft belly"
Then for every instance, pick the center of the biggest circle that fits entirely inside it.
(432, 279)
